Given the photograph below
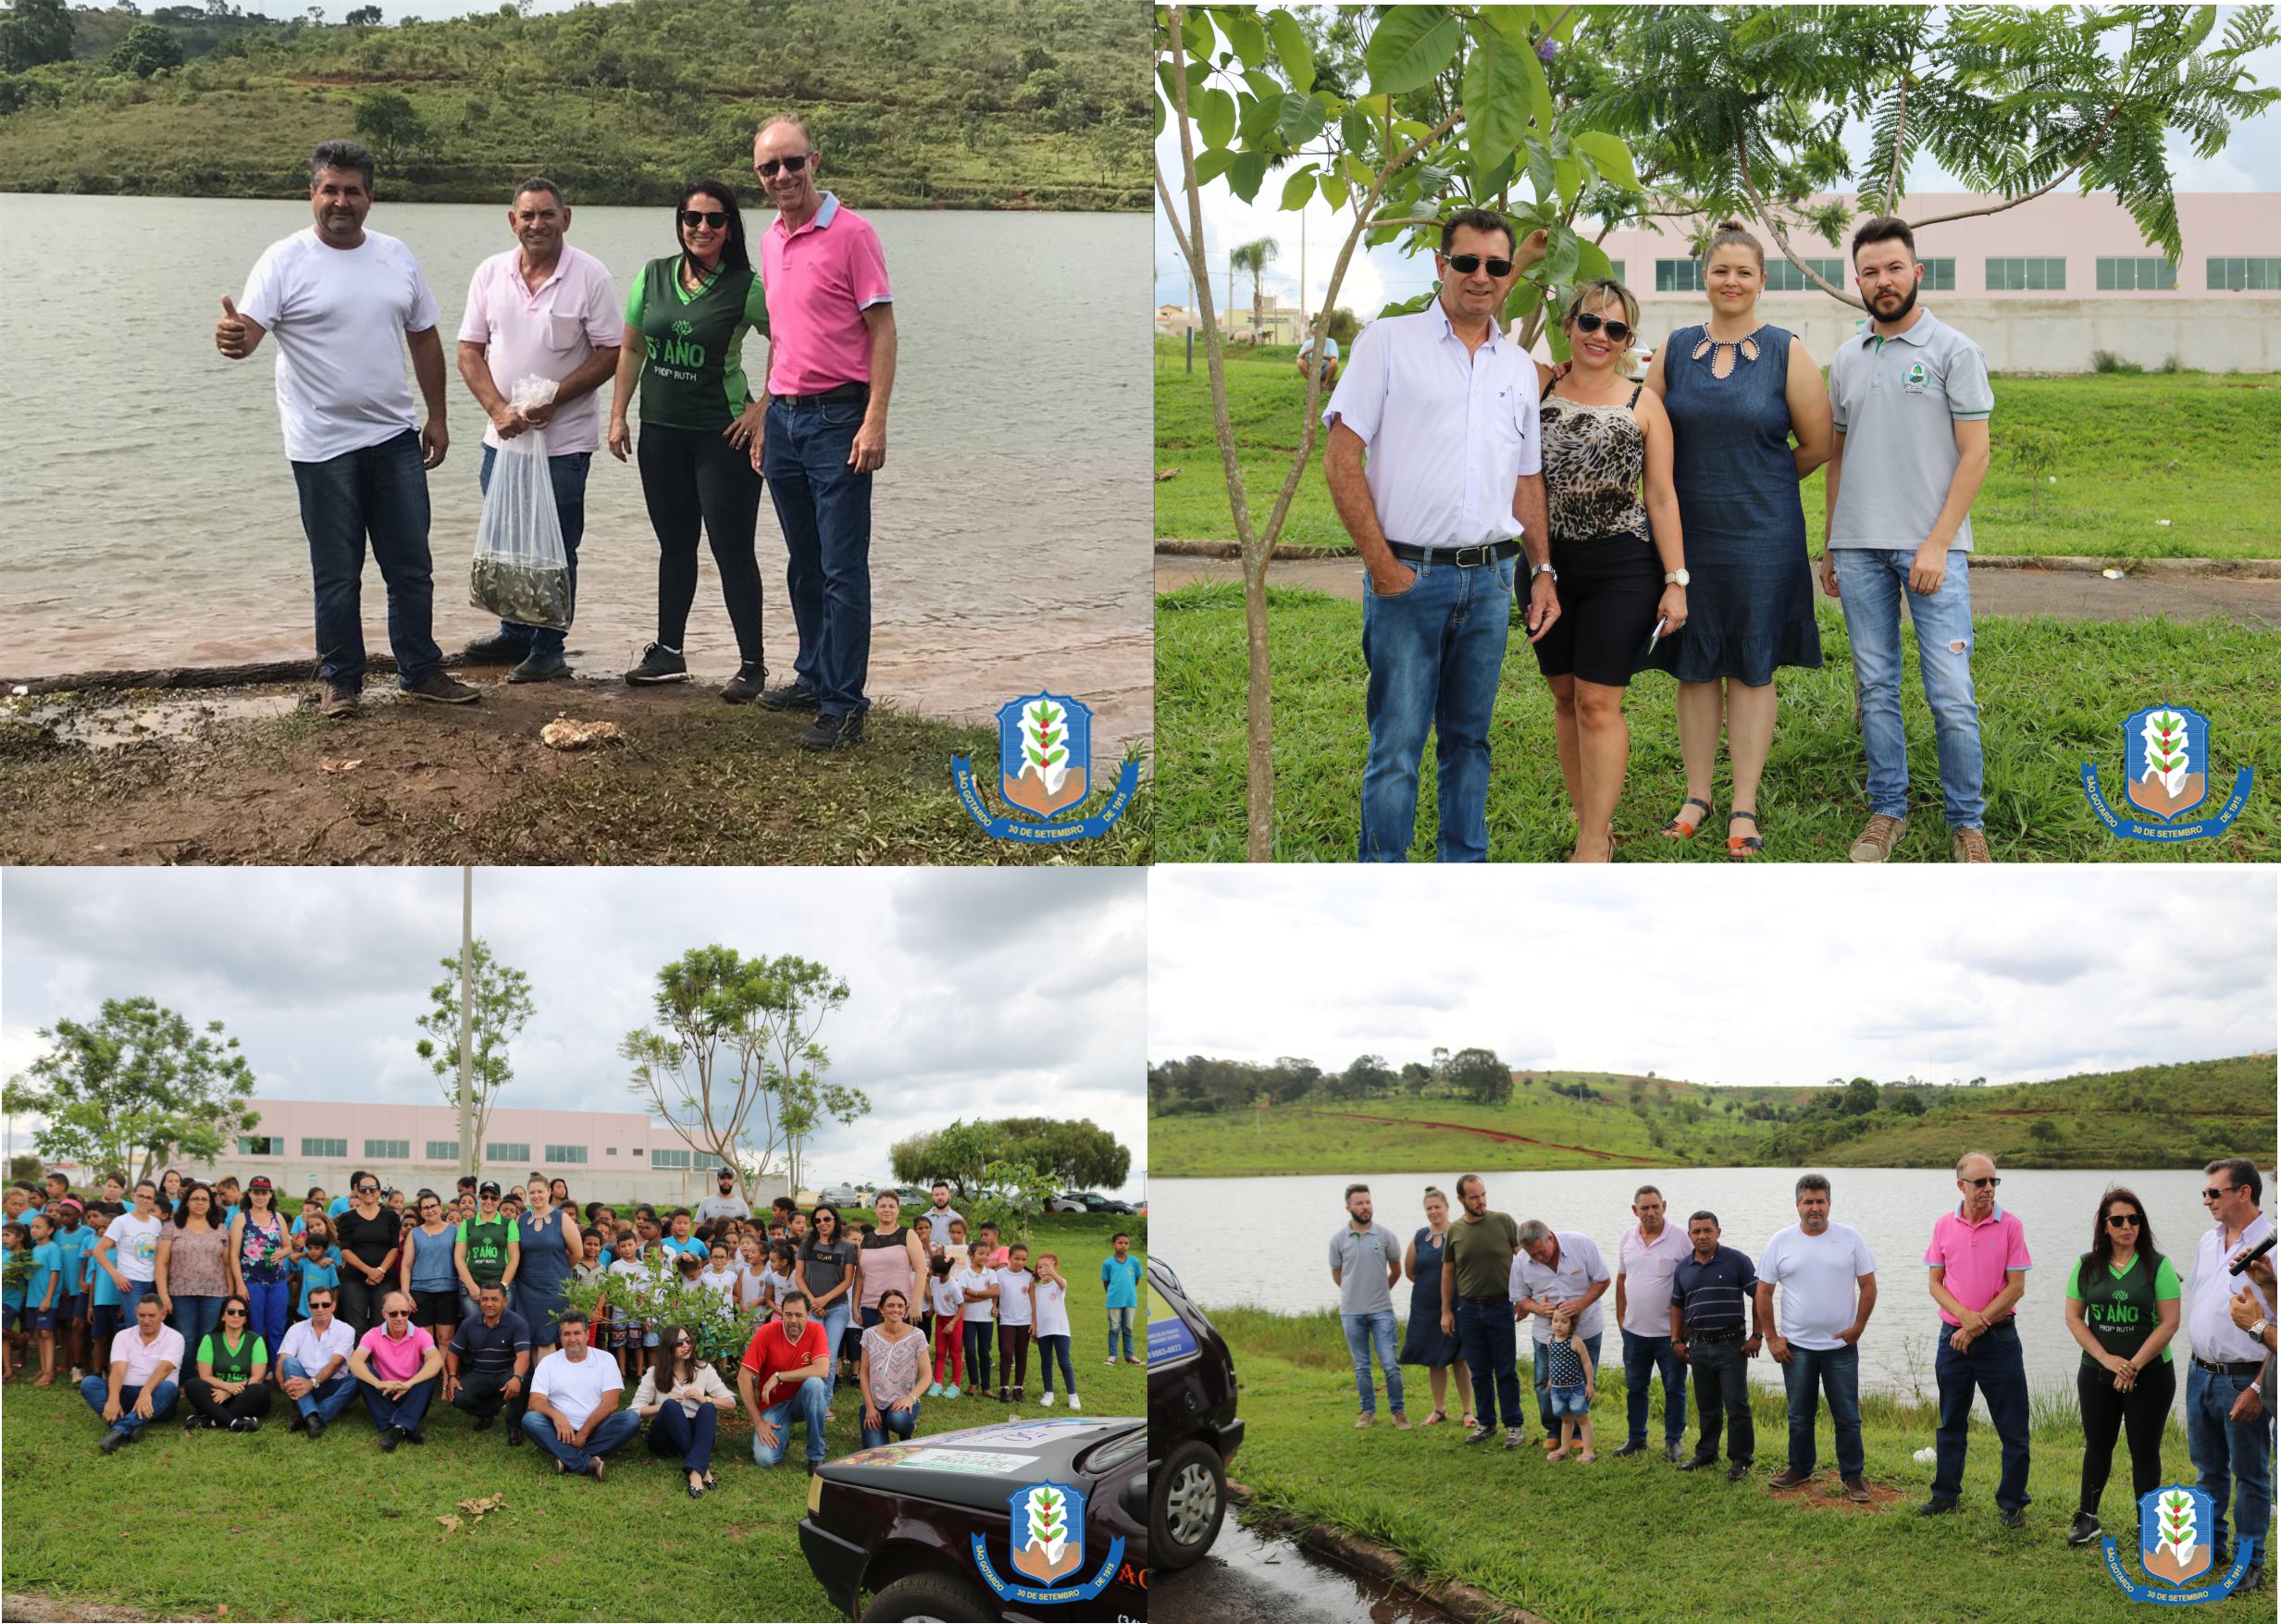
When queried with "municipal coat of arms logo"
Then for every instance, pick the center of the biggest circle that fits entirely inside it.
(1045, 766)
(1046, 1549)
(2166, 775)
(2175, 1524)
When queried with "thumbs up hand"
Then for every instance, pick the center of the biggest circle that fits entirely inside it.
(233, 335)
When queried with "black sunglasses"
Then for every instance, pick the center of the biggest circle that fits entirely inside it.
(233, 1313)
(398, 1313)
(694, 218)
(1982, 1183)
(368, 1189)
(767, 167)
(2124, 1221)
(1467, 264)
(2214, 1191)
(1617, 330)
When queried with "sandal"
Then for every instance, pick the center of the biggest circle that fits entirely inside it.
(1434, 1417)
(1470, 1422)
(1743, 846)
(1678, 831)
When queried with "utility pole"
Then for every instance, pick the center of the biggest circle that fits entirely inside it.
(466, 1018)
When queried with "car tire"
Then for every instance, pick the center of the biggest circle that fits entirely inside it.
(930, 1595)
(1186, 1504)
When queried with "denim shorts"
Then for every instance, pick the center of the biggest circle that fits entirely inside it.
(1570, 1401)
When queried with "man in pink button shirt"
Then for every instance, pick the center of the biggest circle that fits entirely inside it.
(1979, 1263)
(548, 310)
(831, 367)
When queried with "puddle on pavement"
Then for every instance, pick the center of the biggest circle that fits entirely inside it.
(1257, 1578)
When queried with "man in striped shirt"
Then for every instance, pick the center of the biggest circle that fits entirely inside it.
(1709, 1291)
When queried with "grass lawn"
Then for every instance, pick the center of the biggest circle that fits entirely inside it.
(1626, 1539)
(2184, 447)
(2053, 696)
(280, 1528)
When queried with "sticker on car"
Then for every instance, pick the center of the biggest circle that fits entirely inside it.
(981, 1462)
(1046, 1542)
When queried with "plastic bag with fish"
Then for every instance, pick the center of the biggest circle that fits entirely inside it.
(521, 572)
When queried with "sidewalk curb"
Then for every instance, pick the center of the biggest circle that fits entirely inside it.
(2261, 569)
(1453, 1596)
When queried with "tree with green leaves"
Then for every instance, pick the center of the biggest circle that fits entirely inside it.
(1368, 1074)
(499, 1008)
(137, 1087)
(147, 49)
(1482, 1077)
(734, 1061)
(1252, 260)
(1074, 1154)
(388, 119)
(35, 32)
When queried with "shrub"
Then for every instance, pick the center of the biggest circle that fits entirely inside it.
(2108, 361)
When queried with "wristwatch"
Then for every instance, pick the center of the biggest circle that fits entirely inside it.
(2258, 1330)
(1543, 569)
(1677, 578)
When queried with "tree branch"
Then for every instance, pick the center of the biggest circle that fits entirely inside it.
(2098, 136)
(1773, 227)
(1901, 128)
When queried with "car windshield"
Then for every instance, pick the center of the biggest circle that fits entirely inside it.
(1116, 1451)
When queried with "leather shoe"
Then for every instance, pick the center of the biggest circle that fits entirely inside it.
(1737, 1472)
(540, 667)
(1789, 1477)
(1936, 1508)
(2012, 1516)
(1698, 1462)
(2252, 1578)
(1631, 1449)
(499, 649)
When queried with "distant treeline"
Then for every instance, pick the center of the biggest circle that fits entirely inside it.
(960, 103)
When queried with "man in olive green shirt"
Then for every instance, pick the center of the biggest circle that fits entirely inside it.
(1477, 1311)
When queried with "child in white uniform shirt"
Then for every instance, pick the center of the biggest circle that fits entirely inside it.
(1049, 1298)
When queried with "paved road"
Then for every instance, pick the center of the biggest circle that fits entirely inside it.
(1248, 1580)
(2071, 594)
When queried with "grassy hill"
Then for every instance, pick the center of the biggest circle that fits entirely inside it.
(959, 104)
(2154, 1116)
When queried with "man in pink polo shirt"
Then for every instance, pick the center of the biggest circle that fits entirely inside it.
(1979, 1263)
(398, 1363)
(831, 367)
(548, 310)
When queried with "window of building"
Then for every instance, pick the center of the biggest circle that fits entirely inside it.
(333, 1149)
(1940, 276)
(388, 1150)
(1785, 278)
(2235, 275)
(574, 1153)
(669, 1159)
(610, 1151)
(267, 1145)
(507, 1152)
(443, 1151)
(2125, 275)
(1616, 270)
(1678, 276)
(2034, 275)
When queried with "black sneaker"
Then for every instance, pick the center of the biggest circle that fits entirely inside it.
(1630, 1448)
(746, 684)
(439, 689)
(389, 1439)
(340, 698)
(113, 1439)
(416, 1436)
(539, 666)
(1480, 1434)
(790, 696)
(315, 1429)
(833, 732)
(2084, 1529)
(246, 1424)
(658, 663)
(298, 1422)
(1936, 1507)
(499, 649)
(2013, 1517)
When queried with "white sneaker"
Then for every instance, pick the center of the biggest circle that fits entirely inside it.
(1046, 1401)
(1073, 1402)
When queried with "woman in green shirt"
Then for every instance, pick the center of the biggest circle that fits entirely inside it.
(685, 320)
(2123, 1307)
(229, 1387)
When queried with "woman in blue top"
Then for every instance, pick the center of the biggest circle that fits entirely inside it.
(1738, 392)
(1424, 1342)
(548, 1238)
(431, 1271)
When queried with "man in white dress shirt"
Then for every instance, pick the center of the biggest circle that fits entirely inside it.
(2227, 1431)
(1446, 405)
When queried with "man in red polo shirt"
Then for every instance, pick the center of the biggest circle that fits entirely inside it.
(784, 1380)
(1979, 1264)
(831, 367)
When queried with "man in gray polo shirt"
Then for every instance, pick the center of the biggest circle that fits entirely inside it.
(1910, 400)
(1366, 1260)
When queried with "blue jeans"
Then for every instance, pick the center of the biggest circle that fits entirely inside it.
(1487, 1342)
(378, 494)
(1435, 653)
(1542, 1372)
(1870, 582)
(1813, 1371)
(1643, 1356)
(1993, 1366)
(611, 1432)
(567, 474)
(834, 1321)
(1120, 1322)
(269, 1304)
(1049, 1348)
(673, 1432)
(2222, 1448)
(980, 1334)
(823, 508)
(804, 1407)
(96, 1390)
(406, 1412)
(1363, 1331)
(196, 1318)
(133, 1291)
(327, 1398)
(901, 1422)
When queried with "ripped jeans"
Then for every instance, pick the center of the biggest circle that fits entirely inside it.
(1871, 583)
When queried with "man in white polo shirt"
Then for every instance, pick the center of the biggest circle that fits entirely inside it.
(1828, 1283)
(1645, 1256)
(338, 296)
(2227, 1431)
(1910, 400)
(140, 1388)
(1557, 1269)
(1445, 406)
(543, 309)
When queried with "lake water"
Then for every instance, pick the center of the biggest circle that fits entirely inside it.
(1285, 1226)
(147, 513)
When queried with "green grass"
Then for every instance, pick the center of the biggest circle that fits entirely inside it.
(2053, 696)
(2154, 1116)
(275, 1526)
(2201, 450)
(1623, 1540)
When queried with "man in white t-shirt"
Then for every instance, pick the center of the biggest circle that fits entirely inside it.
(337, 296)
(312, 1363)
(574, 1413)
(1829, 1285)
(1645, 1256)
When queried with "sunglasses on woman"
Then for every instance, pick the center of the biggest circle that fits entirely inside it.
(1467, 264)
(1617, 331)
(694, 218)
(791, 166)
(2124, 1221)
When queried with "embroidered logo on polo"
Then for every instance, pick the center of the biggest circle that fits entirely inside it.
(1916, 377)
